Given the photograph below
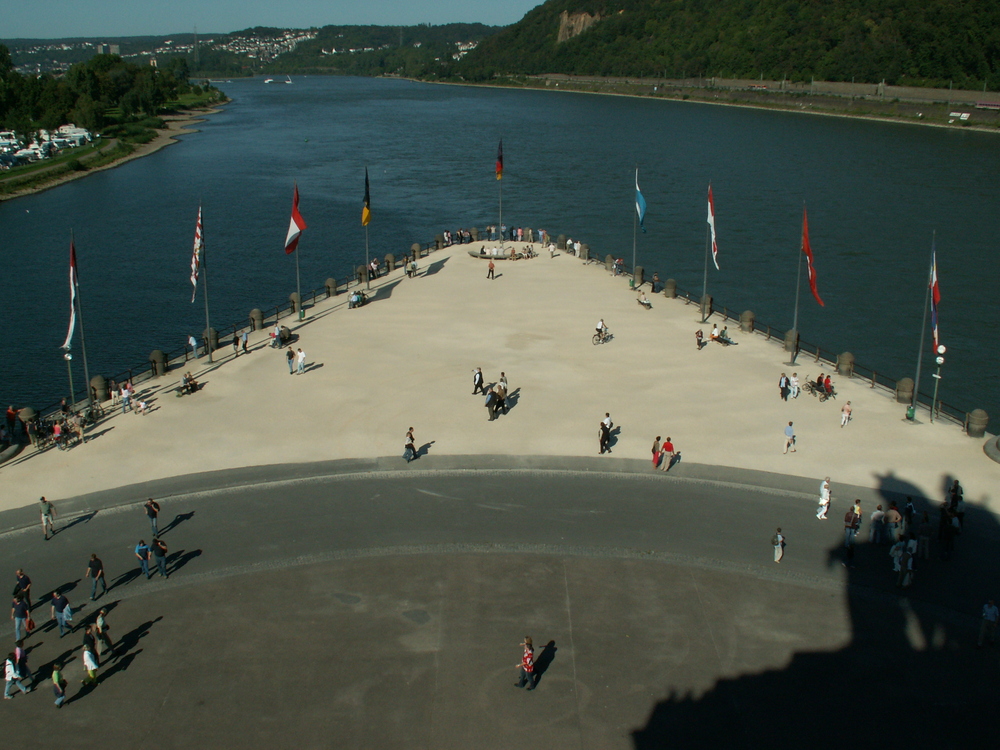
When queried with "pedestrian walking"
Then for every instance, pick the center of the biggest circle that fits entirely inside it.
(159, 548)
(784, 387)
(22, 585)
(824, 500)
(152, 512)
(20, 614)
(489, 273)
(875, 526)
(845, 413)
(95, 571)
(603, 436)
(302, 361)
(477, 381)
(245, 342)
(90, 640)
(62, 613)
(48, 512)
(988, 623)
(778, 542)
(104, 631)
(142, 552)
(503, 381)
(236, 345)
(852, 522)
(409, 449)
(290, 358)
(21, 659)
(668, 454)
(501, 404)
(656, 452)
(789, 438)
(126, 398)
(13, 677)
(90, 666)
(793, 385)
(491, 399)
(527, 665)
(59, 684)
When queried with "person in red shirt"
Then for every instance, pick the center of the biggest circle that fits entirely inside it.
(527, 665)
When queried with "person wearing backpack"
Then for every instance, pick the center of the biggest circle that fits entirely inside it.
(778, 542)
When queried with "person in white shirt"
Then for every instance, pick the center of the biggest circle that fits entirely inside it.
(793, 384)
(824, 500)
(301, 357)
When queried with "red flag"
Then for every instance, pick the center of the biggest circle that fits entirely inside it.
(935, 301)
(500, 160)
(295, 226)
(74, 283)
(809, 257)
(199, 248)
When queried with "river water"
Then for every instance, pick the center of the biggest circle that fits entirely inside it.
(875, 193)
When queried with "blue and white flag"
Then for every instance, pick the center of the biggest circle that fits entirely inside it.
(640, 203)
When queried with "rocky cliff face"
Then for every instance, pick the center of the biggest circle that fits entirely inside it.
(571, 24)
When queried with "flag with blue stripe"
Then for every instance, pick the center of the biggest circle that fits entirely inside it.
(640, 203)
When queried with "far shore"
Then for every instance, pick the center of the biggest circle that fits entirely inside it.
(177, 125)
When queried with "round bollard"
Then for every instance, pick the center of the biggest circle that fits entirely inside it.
(438, 241)
(415, 249)
(212, 337)
(670, 289)
(99, 387)
(158, 361)
(285, 334)
(640, 276)
(845, 365)
(256, 320)
(747, 321)
(584, 252)
(904, 391)
(609, 263)
(561, 242)
(26, 414)
(475, 234)
(706, 306)
(977, 421)
(331, 287)
(792, 341)
(296, 301)
(390, 262)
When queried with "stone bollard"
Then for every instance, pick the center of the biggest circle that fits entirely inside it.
(639, 276)
(438, 241)
(285, 334)
(609, 263)
(296, 302)
(904, 391)
(792, 341)
(211, 338)
(390, 262)
(747, 321)
(158, 360)
(670, 289)
(361, 274)
(415, 249)
(584, 252)
(845, 365)
(99, 387)
(256, 320)
(474, 232)
(331, 287)
(706, 306)
(976, 423)
(26, 414)
(561, 242)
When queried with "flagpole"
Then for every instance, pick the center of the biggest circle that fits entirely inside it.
(500, 187)
(83, 338)
(68, 356)
(204, 288)
(923, 332)
(795, 318)
(368, 270)
(704, 283)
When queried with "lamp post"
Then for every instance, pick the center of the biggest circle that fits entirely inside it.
(69, 368)
(937, 377)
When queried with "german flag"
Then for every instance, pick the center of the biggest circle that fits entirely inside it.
(366, 211)
(500, 160)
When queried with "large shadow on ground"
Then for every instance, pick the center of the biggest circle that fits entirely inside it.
(912, 675)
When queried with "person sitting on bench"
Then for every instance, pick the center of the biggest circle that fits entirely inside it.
(641, 299)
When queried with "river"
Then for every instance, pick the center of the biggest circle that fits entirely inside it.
(875, 191)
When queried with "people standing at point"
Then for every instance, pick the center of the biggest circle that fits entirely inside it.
(126, 398)
(276, 337)
(668, 454)
(784, 387)
(699, 339)
(604, 437)
(13, 677)
(778, 542)
(489, 272)
(845, 413)
(789, 438)
(477, 381)
(48, 512)
(152, 512)
(193, 343)
(875, 526)
(824, 500)
(657, 457)
(527, 665)
(142, 553)
(95, 571)
(988, 623)
(245, 342)
(22, 585)
(409, 449)
(302, 361)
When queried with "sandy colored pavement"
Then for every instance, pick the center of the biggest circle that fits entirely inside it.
(406, 359)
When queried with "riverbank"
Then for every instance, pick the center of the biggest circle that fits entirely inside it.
(176, 125)
(534, 322)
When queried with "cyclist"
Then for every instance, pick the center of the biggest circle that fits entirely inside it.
(602, 329)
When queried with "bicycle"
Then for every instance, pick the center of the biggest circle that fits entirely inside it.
(603, 337)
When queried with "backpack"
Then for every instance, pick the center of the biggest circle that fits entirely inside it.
(774, 540)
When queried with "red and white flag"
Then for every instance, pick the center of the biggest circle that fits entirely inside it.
(807, 251)
(199, 248)
(295, 226)
(74, 283)
(711, 224)
(935, 301)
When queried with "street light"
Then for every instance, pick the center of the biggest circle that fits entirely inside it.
(937, 376)
(69, 368)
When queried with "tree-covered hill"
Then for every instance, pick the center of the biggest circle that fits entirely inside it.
(901, 41)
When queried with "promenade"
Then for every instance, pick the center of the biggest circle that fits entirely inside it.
(406, 358)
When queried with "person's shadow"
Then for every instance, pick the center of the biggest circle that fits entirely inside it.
(177, 560)
(512, 398)
(85, 518)
(423, 449)
(545, 658)
(613, 437)
(178, 520)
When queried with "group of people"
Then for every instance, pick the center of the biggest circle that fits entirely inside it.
(665, 455)
(296, 360)
(516, 234)
(496, 395)
(460, 237)
(357, 299)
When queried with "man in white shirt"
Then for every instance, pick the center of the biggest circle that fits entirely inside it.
(302, 361)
